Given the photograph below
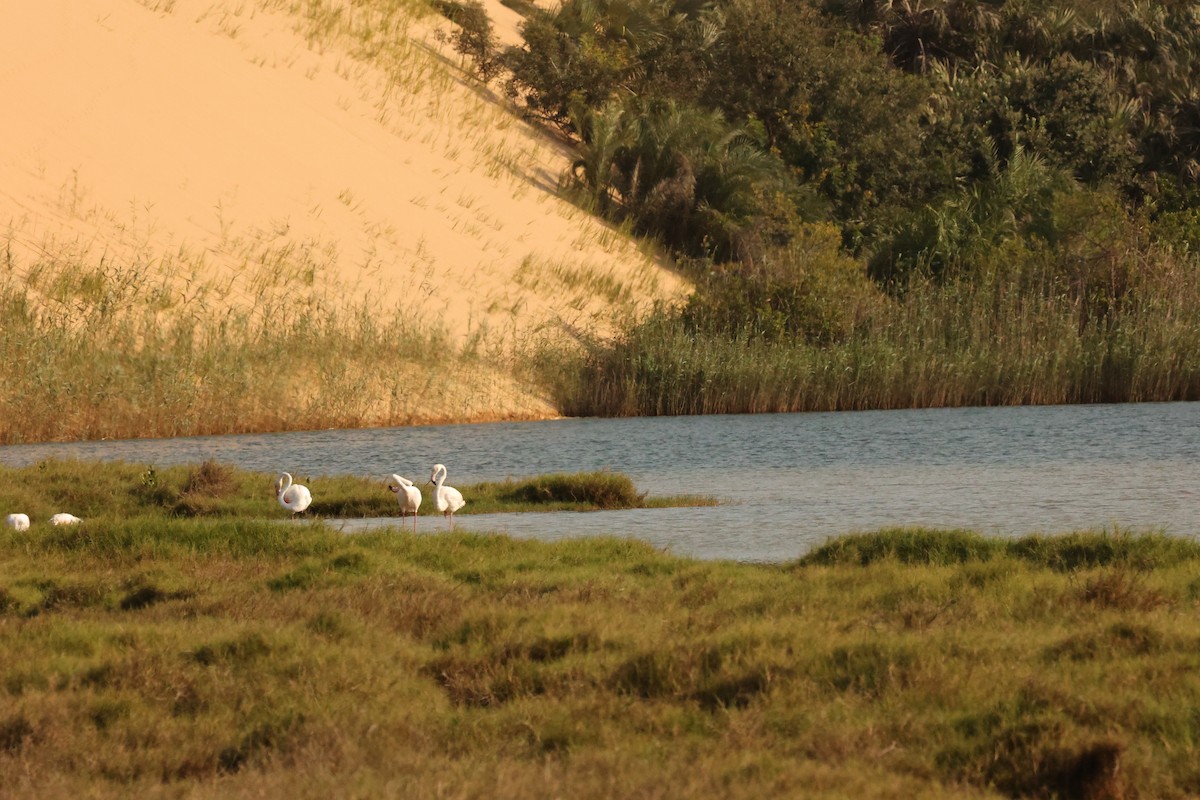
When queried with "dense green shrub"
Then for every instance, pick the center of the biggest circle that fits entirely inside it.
(809, 290)
(585, 53)
(473, 37)
(876, 110)
(1020, 179)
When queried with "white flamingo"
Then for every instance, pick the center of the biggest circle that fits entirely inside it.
(295, 497)
(447, 499)
(64, 519)
(407, 495)
(18, 522)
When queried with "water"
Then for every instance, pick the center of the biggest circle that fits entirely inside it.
(791, 480)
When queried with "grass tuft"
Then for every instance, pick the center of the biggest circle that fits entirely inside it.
(1065, 553)
(146, 595)
(14, 732)
(603, 490)
(1119, 587)
(906, 545)
(871, 669)
(240, 650)
(1026, 752)
(1074, 551)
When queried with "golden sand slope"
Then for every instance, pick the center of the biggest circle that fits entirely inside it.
(313, 145)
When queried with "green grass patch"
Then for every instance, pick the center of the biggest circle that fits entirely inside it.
(173, 656)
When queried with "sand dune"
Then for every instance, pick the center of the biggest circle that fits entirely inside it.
(235, 143)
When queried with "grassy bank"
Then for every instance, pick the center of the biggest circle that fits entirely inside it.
(206, 658)
(115, 490)
(111, 351)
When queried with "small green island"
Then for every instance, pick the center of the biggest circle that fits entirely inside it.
(213, 489)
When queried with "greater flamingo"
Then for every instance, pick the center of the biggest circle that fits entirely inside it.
(447, 499)
(407, 495)
(294, 497)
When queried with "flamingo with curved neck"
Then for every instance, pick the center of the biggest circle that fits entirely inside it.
(295, 497)
(407, 495)
(447, 499)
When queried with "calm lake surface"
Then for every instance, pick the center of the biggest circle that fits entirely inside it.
(791, 480)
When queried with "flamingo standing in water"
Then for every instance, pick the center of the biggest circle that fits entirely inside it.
(18, 522)
(447, 499)
(407, 495)
(295, 497)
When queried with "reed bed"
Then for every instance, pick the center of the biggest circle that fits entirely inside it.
(223, 658)
(986, 340)
(119, 350)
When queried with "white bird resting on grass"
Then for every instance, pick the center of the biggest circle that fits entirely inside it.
(65, 519)
(446, 499)
(295, 497)
(19, 522)
(407, 495)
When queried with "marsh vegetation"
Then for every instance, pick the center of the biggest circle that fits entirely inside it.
(237, 658)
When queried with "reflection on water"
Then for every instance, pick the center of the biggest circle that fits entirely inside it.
(792, 480)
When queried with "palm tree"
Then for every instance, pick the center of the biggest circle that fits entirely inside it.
(603, 134)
